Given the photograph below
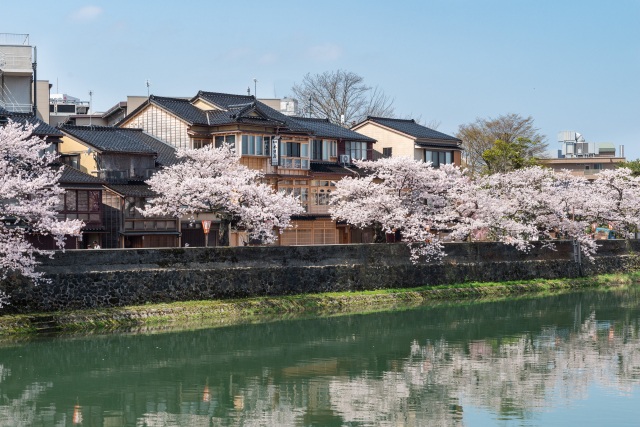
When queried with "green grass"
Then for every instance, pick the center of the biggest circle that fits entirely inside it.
(224, 312)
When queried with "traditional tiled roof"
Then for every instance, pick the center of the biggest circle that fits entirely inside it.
(240, 105)
(71, 175)
(411, 128)
(112, 140)
(323, 128)
(134, 190)
(180, 107)
(224, 100)
(166, 153)
(41, 128)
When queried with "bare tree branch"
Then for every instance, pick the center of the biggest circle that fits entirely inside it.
(342, 97)
(481, 135)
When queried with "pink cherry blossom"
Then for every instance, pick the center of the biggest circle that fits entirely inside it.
(29, 195)
(213, 180)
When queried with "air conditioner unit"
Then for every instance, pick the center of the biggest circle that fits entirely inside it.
(345, 158)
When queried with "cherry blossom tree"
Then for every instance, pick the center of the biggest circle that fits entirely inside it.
(401, 194)
(516, 208)
(531, 204)
(617, 193)
(29, 194)
(213, 180)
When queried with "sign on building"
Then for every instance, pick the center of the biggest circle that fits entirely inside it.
(275, 150)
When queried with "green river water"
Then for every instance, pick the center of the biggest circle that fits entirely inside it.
(562, 360)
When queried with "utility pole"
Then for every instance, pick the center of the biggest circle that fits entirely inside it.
(90, 104)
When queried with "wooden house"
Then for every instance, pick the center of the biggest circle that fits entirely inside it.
(297, 155)
(123, 159)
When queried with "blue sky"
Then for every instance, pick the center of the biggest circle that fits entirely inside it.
(570, 64)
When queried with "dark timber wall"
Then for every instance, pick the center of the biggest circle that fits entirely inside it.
(116, 277)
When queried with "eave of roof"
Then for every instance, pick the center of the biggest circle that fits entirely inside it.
(323, 128)
(134, 190)
(410, 128)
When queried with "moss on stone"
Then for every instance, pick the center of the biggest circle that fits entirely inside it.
(224, 312)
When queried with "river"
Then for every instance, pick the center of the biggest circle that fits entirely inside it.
(559, 360)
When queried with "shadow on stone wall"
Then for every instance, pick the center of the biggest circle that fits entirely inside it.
(82, 279)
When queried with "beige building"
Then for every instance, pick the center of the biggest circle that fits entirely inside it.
(406, 138)
(584, 158)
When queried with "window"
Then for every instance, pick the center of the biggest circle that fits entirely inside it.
(256, 145)
(292, 149)
(200, 143)
(225, 139)
(323, 149)
(316, 149)
(386, 152)
(438, 158)
(302, 193)
(321, 192)
(82, 204)
(71, 160)
(356, 150)
(294, 155)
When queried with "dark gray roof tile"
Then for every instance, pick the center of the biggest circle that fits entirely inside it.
(110, 139)
(72, 175)
(323, 128)
(410, 127)
(41, 128)
(182, 108)
(135, 190)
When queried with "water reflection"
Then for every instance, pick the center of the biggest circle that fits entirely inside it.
(519, 360)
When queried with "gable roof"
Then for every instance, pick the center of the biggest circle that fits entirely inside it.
(240, 105)
(110, 139)
(181, 107)
(413, 129)
(223, 100)
(323, 128)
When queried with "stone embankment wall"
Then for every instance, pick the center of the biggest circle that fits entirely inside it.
(82, 279)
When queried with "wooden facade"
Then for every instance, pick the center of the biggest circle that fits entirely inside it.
(252, 135)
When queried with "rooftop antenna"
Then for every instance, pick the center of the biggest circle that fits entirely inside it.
(90, 103)
(148, 83)
(255, 88)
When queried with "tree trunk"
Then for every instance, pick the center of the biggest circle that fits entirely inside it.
(223, 232)
(379, 236)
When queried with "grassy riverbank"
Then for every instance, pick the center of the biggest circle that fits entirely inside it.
(224, 312)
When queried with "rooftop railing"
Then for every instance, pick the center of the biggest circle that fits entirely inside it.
(14, 39)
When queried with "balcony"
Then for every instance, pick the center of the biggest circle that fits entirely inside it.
(150, 224)
(114, 177)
